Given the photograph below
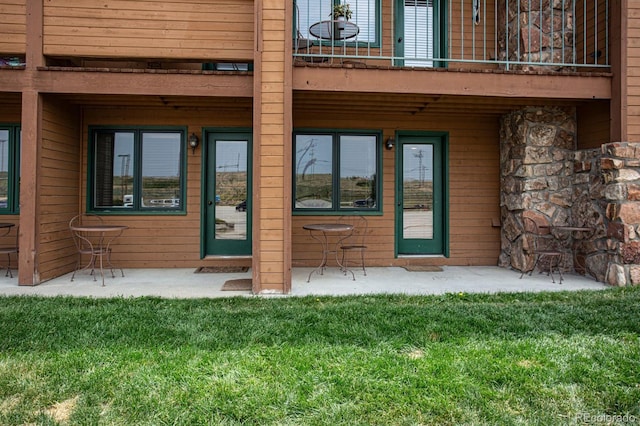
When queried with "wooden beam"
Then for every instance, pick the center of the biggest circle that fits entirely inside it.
(486, 84)
(134, 83)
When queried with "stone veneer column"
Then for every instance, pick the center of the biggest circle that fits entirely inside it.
(620, 166)
(536, 161)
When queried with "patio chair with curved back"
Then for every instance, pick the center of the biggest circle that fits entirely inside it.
(355, 242)
(541, 248)
(88, 246)
(11, 249)
(303, 44)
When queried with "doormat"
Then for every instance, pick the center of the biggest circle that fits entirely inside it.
(243, 284)
(221, 269)
(422, 268)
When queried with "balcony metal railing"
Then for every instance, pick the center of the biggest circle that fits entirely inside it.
(504, 34)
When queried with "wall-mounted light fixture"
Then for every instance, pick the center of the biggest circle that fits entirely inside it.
(193, 142)
(390, 143)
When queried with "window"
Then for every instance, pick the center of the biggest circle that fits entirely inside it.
(336, 172)
(10, 136)
(138, 170)
(364, 15)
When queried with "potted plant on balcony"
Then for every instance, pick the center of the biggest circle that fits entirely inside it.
(341, 10)
(341, 13)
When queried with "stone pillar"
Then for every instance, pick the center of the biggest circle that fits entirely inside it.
(537, 161)
(535, 31)
(620, 166)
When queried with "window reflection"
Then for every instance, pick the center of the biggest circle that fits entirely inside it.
(313, 173)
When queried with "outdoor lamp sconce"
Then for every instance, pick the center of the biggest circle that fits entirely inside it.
(390, 143)
(193, 142)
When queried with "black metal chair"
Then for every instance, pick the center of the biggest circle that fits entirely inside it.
(541, 248)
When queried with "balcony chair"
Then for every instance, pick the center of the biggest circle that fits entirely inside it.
(10, 249)
(355, 242)
(304, 45)
(541, 248)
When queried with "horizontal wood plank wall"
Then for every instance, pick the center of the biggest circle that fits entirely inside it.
(591, 34)
(474, 179)
(469, 41)
(162, 241)
(59, 182)
(13, 27)
(633, 71)
(179, 29)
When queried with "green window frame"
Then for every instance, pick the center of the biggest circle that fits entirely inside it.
(137, 170)
(337, 172)
(10, 142)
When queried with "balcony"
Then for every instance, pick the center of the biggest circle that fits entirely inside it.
(524, 35)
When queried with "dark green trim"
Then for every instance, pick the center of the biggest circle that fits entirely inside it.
(440, 24)
(227, 247)
(336, 133)
(13, 168)
(137, 171)
(441, 168)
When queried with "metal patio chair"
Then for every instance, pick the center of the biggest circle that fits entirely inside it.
(355, 242)
(541, 248)
(10, 249)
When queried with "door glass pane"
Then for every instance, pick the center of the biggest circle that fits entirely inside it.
(4, 168)
(114, 169)
(418, 33)
(417, 192)
(161, 170)
(313, 174)
(231, 190)
(357, 172)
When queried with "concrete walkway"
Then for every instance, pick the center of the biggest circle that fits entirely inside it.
(184, 283)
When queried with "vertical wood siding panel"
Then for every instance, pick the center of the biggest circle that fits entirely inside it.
(59, 182)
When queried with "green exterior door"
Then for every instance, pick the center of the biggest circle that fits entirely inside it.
(228, 194)
(420, 195)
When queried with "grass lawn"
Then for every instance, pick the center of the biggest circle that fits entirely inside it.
(527, 359)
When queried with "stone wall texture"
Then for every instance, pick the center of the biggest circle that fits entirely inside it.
(544, 177)
(535, 31)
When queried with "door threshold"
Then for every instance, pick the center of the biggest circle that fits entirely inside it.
(421, 256)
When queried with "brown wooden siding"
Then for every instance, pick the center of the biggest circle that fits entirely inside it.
(13, 27)
(272, 94)
(593, 124)
(633, 72)
(181, 29)
(162, 241)
(474, 184)
(591, 39)
(59, 183)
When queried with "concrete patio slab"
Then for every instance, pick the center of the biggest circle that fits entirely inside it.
(184, 283)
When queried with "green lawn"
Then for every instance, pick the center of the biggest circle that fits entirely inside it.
(526, 359)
